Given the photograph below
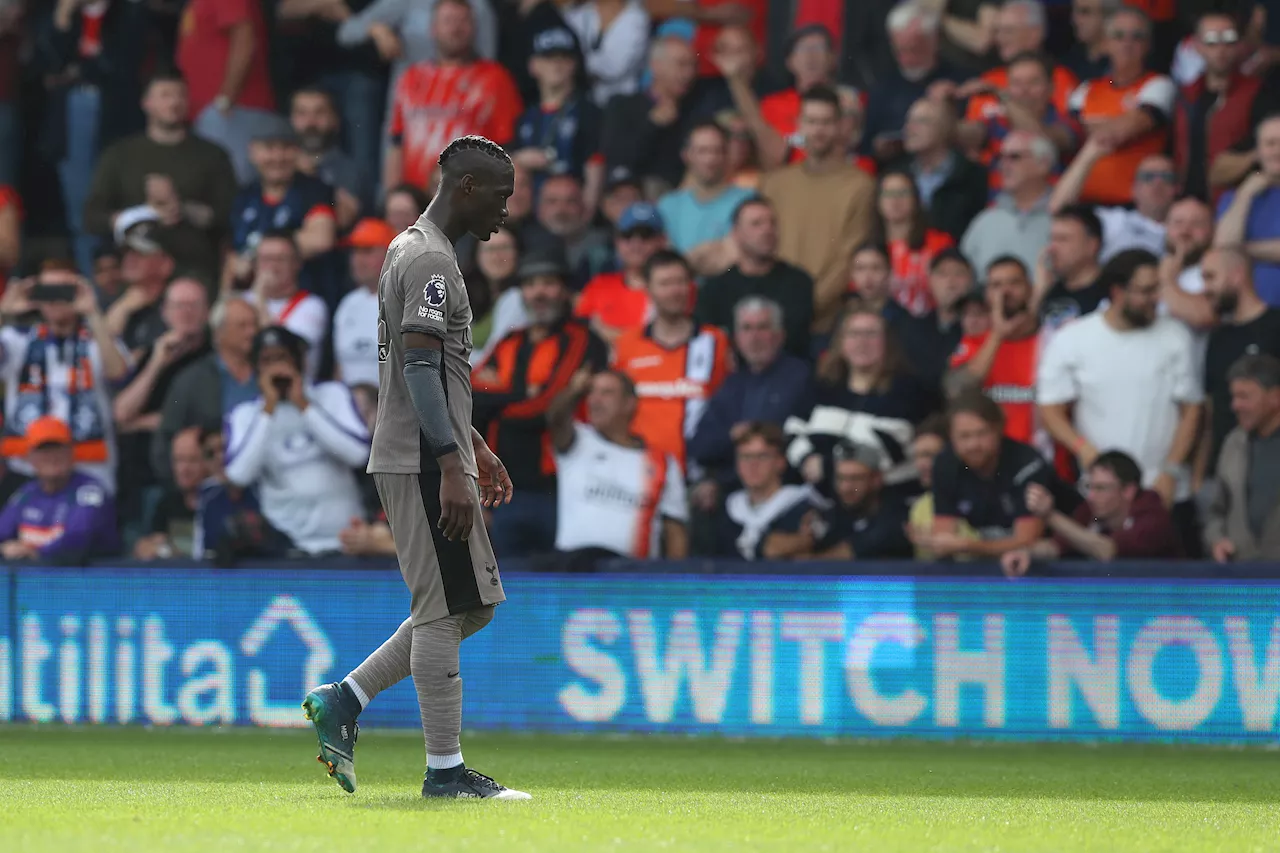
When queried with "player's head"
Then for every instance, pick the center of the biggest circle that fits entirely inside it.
(1228, 275)
(670, 280)
(477, 178)
(760, 454)
(50, 451)
(1114, 481)
(611, 401)
(975, 426)
(1007, 279)
(857, 477)
(1132, 280)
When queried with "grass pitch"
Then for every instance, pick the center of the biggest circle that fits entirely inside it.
(140, 791)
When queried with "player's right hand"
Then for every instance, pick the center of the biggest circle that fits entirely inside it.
(456, 510)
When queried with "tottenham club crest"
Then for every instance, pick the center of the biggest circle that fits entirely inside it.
(433, 292)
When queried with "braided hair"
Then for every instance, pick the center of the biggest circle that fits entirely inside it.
(474, 143)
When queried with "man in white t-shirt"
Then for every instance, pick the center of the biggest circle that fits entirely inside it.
(280, 302)
(355, 323)
(1123, 378)
(616, 498)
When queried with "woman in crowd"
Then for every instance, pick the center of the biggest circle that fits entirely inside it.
(870, 282)
(403, 205)
(903, 228)
(495, 297)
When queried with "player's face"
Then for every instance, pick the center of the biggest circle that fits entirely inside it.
(976, 442)
(855, 483)
(1253, 405)
(869, 274)
(949, 281)
(759, 464)
(924, 450)
(862, 342)
(669, 290)
(609, 406)
(1142, 297)
(52, 463)
(1104, 493)
(488, 203)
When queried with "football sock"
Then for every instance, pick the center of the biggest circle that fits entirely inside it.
(387, 666)
(434, 661)
(351, 697)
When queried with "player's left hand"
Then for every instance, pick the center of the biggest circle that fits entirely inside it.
(494, 481)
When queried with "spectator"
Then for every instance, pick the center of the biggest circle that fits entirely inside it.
(1188, 235)
(713, 18)
(913, 39)
(763, 519)
(1002, 362)
(1126, 114)
(63, 515)
(614, 303)
(297, 445)
(1088, 58)
(318, 129)
(612, 487)
(1142, 227)
(865, 395)
(861, 523)
(1213, 112)
(1123, 378)
(207, 391)
(1245, 326)
(902, 226)
(614, 34)
(824, 206)
(108, 280)
(758, 271)
(223, 54)
(284, 200)
(279, 300)
(188, 181)
(513, 391)
(496, 262)
(451, 95)
(676, 363)
(1119, 520)
(700, 215)
(981, 481)
(1067, 284)
(952, 187)
(355, 323)
(929, 341)
(871, 283)
(1243, 523)
(559, 135)
(10, 218)
(931, 439)
(644, 131)
(768, 386)
(403, 204)
(1250, 215)
(60, 367)
(1017, 223)
(564, 224)
(1020, 29)
(146, 267)
(621, 190)
(173, 525)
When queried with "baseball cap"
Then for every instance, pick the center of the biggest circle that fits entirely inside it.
(556, 41)
(370, 233)
(47, 430)
(642, 214)
(544, 261)
(136, 229)
(620, 176)
(275, 129)
(279, 336)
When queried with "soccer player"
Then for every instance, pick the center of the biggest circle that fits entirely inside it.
(427, 462)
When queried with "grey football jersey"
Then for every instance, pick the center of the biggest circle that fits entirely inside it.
(421, 290)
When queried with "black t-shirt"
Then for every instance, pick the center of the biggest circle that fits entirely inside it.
(143, 328)
(1227, 343)
(878, 535)
(160, 391)
(992, 506)
(1061, 305)
(791, 287)
(927, 345)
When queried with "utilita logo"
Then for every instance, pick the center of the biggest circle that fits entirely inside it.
(122, 668)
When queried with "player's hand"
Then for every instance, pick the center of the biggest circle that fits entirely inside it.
(495, 483)
(1016, 563)
(1224, 551)
(1039, 500)
(457, 512)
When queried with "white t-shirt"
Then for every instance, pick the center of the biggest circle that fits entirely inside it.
(1123, 228)
(13, 354)
(306, 315)
(355, 337)
(1126, 386)
(615, 57)
(615, 497)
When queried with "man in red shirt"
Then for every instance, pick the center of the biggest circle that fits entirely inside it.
(454, 95)
(617, 302)
(711, 16)
(222, 52)
(1119, 520)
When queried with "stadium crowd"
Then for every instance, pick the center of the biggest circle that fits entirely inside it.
(781, 279)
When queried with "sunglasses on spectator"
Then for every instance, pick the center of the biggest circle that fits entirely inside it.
(1220, 37)
(1127, 35)
(1157, 175)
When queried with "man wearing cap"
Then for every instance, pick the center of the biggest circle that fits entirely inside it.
(513, 389)
(615, 302)
(146, 266)
(298, 444)
(62, 515)
(927, 342)
(283, 198)
(561, 133)
(355, 323)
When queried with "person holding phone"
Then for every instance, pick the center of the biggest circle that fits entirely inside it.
(62, 365)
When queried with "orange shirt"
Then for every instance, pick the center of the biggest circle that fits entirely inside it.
(979, 109)
(909, 285)
(1111, 180)
(673, 384)
(1011, 382)
(781, 111)
(608, 299)
(436, 104)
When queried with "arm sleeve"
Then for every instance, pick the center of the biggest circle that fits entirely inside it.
(336, 425)
(673, 503)
(1055, 377)
(623, 49)
(248, 436)
(425, 283)
(355, 30)
(1158, 94)
(422, 376)
(1187, 386)
(91, 506)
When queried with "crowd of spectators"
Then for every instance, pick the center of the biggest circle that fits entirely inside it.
(780, 279)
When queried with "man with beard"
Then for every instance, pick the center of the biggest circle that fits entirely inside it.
(513, 391)
(1123, 379)
(1140, 227)
(1067, 283)
(315, 121)
(1188, 232)
(1246, 326)
(564, 224)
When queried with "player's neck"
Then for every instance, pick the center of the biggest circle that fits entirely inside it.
(440, 215)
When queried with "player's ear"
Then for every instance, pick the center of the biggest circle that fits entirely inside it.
(467, 184)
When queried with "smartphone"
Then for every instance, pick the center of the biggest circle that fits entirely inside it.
(53, 292)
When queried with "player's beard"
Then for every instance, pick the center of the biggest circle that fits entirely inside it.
(1137, 319)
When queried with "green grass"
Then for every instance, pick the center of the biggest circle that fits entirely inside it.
(131, 790)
